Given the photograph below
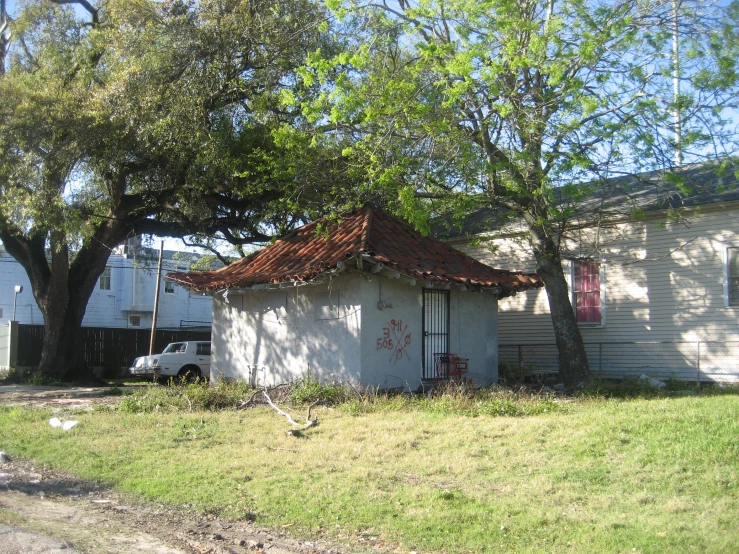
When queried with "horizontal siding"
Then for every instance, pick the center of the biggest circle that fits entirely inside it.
(664, 282)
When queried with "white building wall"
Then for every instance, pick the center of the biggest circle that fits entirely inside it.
(664, 282)
(5, 345)
(391, 337)
(271, 337)
(12, 274)
(474, 333)
(132, 285)
(256, 339)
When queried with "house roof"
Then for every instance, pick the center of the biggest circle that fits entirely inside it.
(367, 237)
(705, 184)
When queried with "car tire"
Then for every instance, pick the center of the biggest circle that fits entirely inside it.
(188, 374)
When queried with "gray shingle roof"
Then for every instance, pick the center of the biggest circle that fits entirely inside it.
(702, 184)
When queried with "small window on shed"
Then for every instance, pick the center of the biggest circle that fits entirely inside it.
(134, 321)
(168, 286)
(326, 305)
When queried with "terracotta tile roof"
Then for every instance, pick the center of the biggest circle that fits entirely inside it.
(363, 238)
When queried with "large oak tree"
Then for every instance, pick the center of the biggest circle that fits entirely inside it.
(132, 117)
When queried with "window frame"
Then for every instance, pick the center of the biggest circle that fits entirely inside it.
(105, 276)
(727, 275)
(570, 274)
(169, 286)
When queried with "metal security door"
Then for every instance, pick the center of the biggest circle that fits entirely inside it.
(435, 328)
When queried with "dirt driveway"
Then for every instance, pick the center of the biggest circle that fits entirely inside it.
(42, 510)
(57, 397)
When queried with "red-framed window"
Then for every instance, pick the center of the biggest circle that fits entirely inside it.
(732, 273)
(587, 292)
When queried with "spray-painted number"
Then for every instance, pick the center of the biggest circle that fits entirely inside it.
(384, 343)
(395, 337)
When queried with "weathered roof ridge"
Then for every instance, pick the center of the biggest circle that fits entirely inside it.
(368, 210)
(370, 236)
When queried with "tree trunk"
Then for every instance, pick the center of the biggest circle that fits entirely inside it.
(573, 361)
(62, 289)
(62, 354)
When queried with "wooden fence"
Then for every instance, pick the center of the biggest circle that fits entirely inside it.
(111, 349)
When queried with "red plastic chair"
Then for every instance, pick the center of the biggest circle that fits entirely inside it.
(450, 366)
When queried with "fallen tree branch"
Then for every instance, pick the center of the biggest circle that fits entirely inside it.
(295, 432)
(249, 402)
(252, 400)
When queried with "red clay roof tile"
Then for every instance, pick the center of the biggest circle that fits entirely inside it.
(368, 232)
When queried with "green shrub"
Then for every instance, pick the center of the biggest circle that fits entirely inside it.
(199, 396)
(458, 399)
(10, 375)
(307, 389)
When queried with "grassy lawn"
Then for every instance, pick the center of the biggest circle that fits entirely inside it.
(645, 475)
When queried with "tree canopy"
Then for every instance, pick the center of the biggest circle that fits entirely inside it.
(518, 103)
(122, 118)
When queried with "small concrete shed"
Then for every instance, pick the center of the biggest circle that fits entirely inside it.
(367, 300)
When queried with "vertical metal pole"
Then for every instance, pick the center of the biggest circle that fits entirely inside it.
(423, 333)
(4, 36)
(698, 374)
(156, 299)
(447, 301)
(520, 359)
(15, 301)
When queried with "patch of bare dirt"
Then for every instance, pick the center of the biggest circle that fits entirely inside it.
(73, 398)
(93, 519)
(41, 506)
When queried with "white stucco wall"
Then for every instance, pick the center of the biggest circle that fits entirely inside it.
(473, 318)
(391, 338)
(271, 337)
(474, 333)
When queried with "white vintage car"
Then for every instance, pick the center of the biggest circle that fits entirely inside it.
(185, 361)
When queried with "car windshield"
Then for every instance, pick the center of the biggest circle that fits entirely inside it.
(175, 347)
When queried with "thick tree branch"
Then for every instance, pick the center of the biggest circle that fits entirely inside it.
(307, 425)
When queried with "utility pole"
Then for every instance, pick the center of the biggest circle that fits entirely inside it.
(156, 299)
(677, 119)
(4, 35)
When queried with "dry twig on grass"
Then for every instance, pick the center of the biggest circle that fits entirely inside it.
(308, 421)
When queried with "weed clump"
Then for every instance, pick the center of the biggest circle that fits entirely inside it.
(457, 399)
(446, 399)
(198, 396)
(308, 389)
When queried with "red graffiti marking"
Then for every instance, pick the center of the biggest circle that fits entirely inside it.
(395, 337)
